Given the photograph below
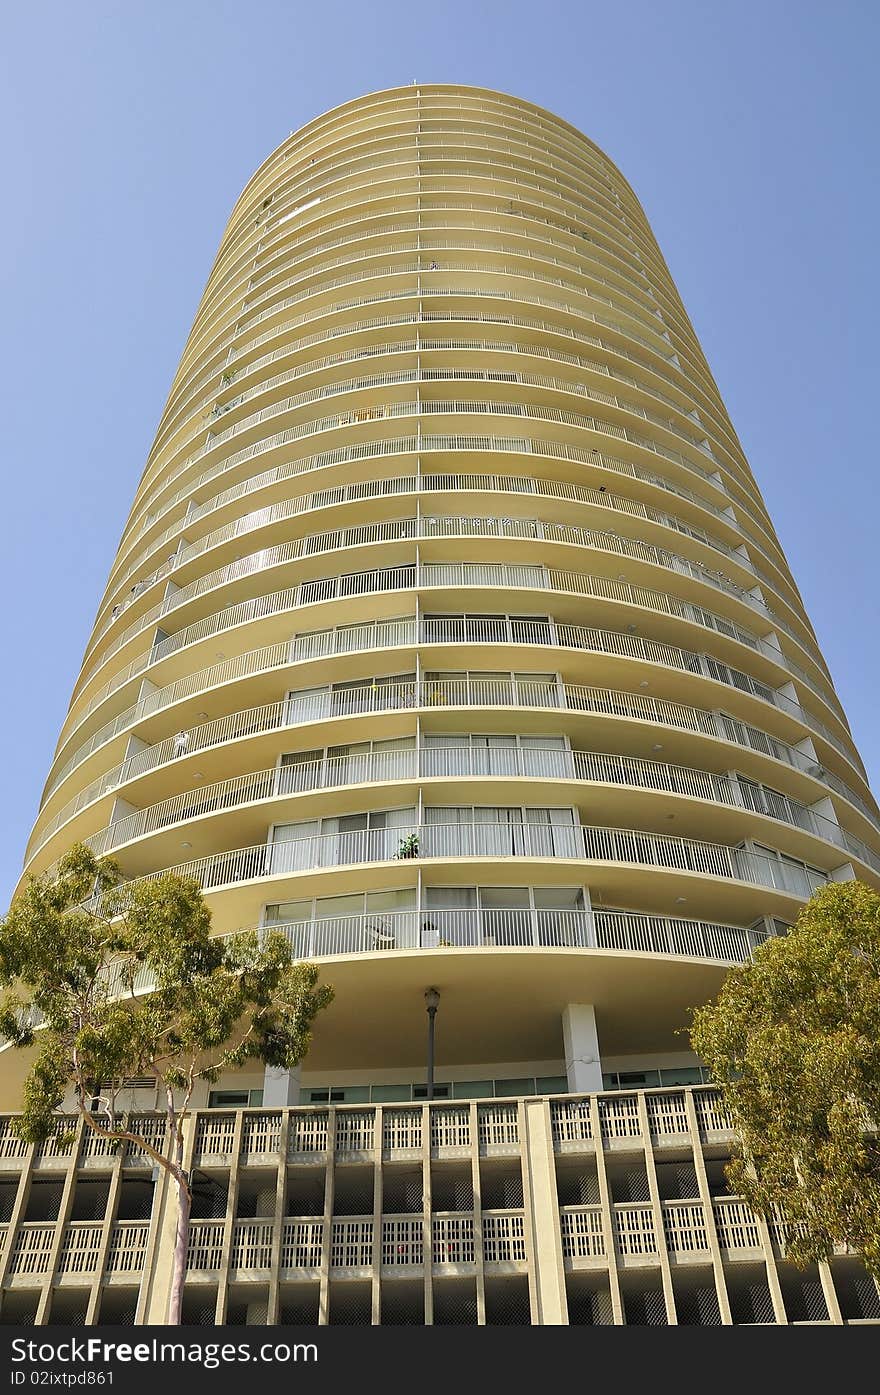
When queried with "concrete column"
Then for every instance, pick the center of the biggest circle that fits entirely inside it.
(581, 1041)
(281, 1087)
(541, 1209)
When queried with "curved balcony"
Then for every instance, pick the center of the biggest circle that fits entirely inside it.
(465, 693)
(620, 931)
(422, 528)
(376, 449)
(623, 931)
(220, 375)
(436, 317)
(360, 492)
(409, 633)
(391, 410)
(440, 576)
(555, 843)
(455, 762)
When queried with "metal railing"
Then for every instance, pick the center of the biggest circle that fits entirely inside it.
(420, 442)
(402, 632)
(444, 841)
(463, 761)
(264, 385)
(197, 394)
(409, 695)
(419, 528)
(440, 575)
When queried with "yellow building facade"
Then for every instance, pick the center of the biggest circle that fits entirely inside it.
(449, 632)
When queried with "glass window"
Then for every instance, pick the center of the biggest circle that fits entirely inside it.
(526, 1086)
(402, 900)
(504, 897)
(453, 898)
(300, 757)
(629, 1079)
(380, 1094)
(339, 905)
(285, 911)
(472, 1089)
(681, 1075)
(229, 1099)
(551, 1085)
(290, 832)
(441, 1092)
(559, 898)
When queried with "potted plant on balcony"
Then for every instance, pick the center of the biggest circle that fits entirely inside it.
(408, 847)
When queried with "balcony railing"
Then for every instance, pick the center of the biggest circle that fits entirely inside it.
(456, 575)
(261, 386)
(397, 445)
(451, 762)
(583, 1233)
(445, 841)
(456, 630)
(258, 365)
(408, 695)
(420, 528)
(128, 1247)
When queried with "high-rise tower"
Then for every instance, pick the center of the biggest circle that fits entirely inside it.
(449, 631)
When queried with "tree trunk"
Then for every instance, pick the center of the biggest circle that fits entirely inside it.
(184, 1207)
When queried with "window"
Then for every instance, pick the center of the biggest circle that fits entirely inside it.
(235, 1099)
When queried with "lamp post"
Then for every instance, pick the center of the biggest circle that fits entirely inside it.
(432, 1002)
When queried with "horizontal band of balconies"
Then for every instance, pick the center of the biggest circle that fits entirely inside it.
(375, 219)
(417, 446)
(555, 538)
(286, 261)
(416, 172)
(405, 191)
(408, 633)
(267, 389)
(429, 225)
(454, 151)
(227, 466)
(224, 369)
(626, 931)
(278, 256)
(430, 580)
(585, 847)
(549, 767)
(430, 109)
(466, 256)
(629, 932)
(422, 527)
(405, 280)
(435, 154)
(685, 413)
(235, 357)
(418, 697)
(384, 486)
(442, 171)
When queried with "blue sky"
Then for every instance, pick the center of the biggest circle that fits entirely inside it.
(747, 129)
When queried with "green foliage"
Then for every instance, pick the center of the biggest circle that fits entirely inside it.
(77, 954)
(408, 847)
(794, 1042)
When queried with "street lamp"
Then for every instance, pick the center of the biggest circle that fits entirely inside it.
(432, 1002)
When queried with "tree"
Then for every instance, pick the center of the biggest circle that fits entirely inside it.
(793, 1040)
(109, 981)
